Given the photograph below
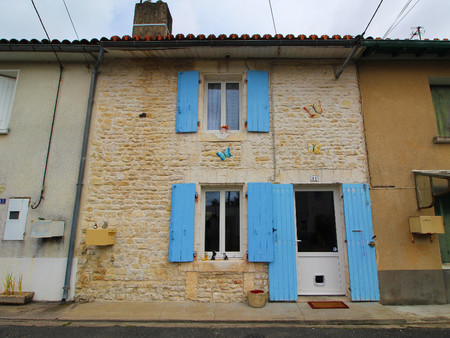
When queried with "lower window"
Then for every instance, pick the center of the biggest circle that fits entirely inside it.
(222, 223)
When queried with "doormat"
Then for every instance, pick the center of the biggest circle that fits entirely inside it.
(328, 305)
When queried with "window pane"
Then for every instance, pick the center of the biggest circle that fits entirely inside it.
(212, 218)
(232, 218)
(233, 105)
(316, 224)
(214, 106)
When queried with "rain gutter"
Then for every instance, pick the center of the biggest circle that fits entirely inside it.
(37, 47)
(143, 45)
(405, 44)
(76, 208)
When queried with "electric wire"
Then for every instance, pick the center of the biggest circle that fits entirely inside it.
(394, 25)
(68, 13)
(398, 17)
(75, 30)
(372, 18)
(45, 30)
(49, 141)
(34, 206)
(273, 19)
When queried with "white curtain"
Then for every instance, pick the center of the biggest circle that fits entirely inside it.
(232, 101)
(214, 106)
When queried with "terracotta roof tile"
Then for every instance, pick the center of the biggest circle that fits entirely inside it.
(232, 36)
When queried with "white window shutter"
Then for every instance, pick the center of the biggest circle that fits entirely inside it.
(7, 86)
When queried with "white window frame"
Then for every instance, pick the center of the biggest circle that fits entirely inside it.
(220, 253)
(15, 227)
(223, 79)
(5, 113)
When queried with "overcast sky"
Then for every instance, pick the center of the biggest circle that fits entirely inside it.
(105, 18)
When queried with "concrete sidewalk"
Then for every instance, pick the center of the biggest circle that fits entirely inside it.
(299, 313)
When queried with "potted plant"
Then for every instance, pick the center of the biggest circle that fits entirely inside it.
(257, 298)
(10, 295)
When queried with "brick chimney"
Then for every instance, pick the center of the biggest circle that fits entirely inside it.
(152, 18)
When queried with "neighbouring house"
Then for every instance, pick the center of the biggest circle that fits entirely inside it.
(222, 164)
(43, 105)
(405, 90)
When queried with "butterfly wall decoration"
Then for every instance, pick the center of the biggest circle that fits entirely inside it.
(224, 154)
(314, 148)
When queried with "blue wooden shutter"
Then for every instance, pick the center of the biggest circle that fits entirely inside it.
(181, 236)
(283, 269)
(258, 101)
(361, 257)
(187, 102)
(260, 216)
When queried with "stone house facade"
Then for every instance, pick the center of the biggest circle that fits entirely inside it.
(310, 143)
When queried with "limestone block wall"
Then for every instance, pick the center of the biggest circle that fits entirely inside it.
(133, 162)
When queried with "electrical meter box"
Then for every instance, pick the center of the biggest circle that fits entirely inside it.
(427, 225)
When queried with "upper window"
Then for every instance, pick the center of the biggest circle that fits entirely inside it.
(223, 102)
(7, 88)
(441, 102)
(223, 222)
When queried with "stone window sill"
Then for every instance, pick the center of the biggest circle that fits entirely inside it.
(232, 265)
(4, 131)
(441, 140)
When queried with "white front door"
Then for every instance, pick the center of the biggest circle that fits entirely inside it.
(320, 249)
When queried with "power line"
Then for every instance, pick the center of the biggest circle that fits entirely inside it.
(45, 30)
(67, 10)
(273, 19)
(372, 18)
(395, 24)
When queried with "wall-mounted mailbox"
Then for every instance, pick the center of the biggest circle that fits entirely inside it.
(100, 237)
(427, 224)
(47, 229)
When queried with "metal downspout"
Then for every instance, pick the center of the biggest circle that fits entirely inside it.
(76, 208)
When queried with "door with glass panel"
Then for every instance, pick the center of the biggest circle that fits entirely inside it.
(320, 259)
(222, 223)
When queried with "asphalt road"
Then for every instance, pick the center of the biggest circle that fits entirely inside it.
(67, 330)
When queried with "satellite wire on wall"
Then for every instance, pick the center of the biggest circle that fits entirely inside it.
(41, 196)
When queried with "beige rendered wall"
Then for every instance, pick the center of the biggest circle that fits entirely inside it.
(400, 125)
(23, 154)
(134, 161)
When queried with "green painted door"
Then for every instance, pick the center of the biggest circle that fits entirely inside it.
(442, 208)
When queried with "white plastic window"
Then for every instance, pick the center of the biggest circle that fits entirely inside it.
(222, 223)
